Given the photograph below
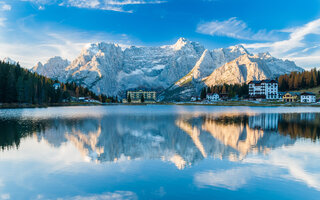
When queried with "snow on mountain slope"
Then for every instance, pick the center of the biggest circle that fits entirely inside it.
(9, 60)
(107, 68)
(250, 67)
(277, 66)
(54, 68)
(209, 61)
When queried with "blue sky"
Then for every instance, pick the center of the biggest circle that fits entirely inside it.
(35, 30)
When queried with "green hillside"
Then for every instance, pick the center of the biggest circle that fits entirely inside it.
(315, 90)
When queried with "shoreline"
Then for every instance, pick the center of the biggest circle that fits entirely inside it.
(18, 106)
(231, 104)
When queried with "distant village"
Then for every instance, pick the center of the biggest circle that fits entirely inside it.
(265, 90)
(262, 91)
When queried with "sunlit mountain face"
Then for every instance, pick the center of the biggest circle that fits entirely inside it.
(212, 150)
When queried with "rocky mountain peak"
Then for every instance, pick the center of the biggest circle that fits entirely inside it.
(181, 43)
(185, 44)
(238, 48)
(108, 69)
(9, 60)
(95, 48)
(54, 68)
(264, 55)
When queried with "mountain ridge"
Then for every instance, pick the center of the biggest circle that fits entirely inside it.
(109, 69)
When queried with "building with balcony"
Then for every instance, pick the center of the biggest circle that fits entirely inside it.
(137, 96)
(266, 89)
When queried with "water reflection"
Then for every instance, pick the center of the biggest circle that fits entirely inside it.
(181, 139)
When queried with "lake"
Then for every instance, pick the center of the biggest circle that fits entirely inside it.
(160, 152)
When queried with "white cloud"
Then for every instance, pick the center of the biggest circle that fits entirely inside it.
(234, 28)
(299, 44)
(28, 44)
(2, 21)
(118, 195)
(301, 161)
(114, 5)
(4, 6)
(4, 196)
(298, 47)
(231, 179)
(47, 43)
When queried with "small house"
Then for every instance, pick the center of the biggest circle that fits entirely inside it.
(308, 97)
(291, 97)
(213, 97)
(195, 98)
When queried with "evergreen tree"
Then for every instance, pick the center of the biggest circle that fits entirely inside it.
(18, 85)
(203, 94)
(20, 90)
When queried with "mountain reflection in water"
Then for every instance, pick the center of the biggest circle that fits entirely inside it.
(182, 139)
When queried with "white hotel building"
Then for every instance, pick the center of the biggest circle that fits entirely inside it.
(266, 89)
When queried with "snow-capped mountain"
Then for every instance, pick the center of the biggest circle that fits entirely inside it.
(107, 68)
(9, 60)
(54, 68)
(210, 60)
(250, 67)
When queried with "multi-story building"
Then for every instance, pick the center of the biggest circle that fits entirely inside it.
(308, 97)
(266, 89)
(136, 96)
(268, 121)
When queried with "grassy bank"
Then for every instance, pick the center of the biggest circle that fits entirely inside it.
(313, 90)
(257, 104)
(224, 103)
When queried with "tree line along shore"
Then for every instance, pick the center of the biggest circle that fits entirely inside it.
(21, 88)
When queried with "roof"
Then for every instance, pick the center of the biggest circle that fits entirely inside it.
(294, 93)
(140, 90)
(269, 81)
(263, 81)
(254, 82)
(212, 94)
(308, 94)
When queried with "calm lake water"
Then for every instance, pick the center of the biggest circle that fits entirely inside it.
(160, 152)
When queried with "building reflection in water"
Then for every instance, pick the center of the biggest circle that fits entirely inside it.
(180, 139)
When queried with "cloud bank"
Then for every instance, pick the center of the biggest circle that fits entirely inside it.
(4, 6)
(113, 5)
(234, 28)
(299, 44)
(296, 163)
